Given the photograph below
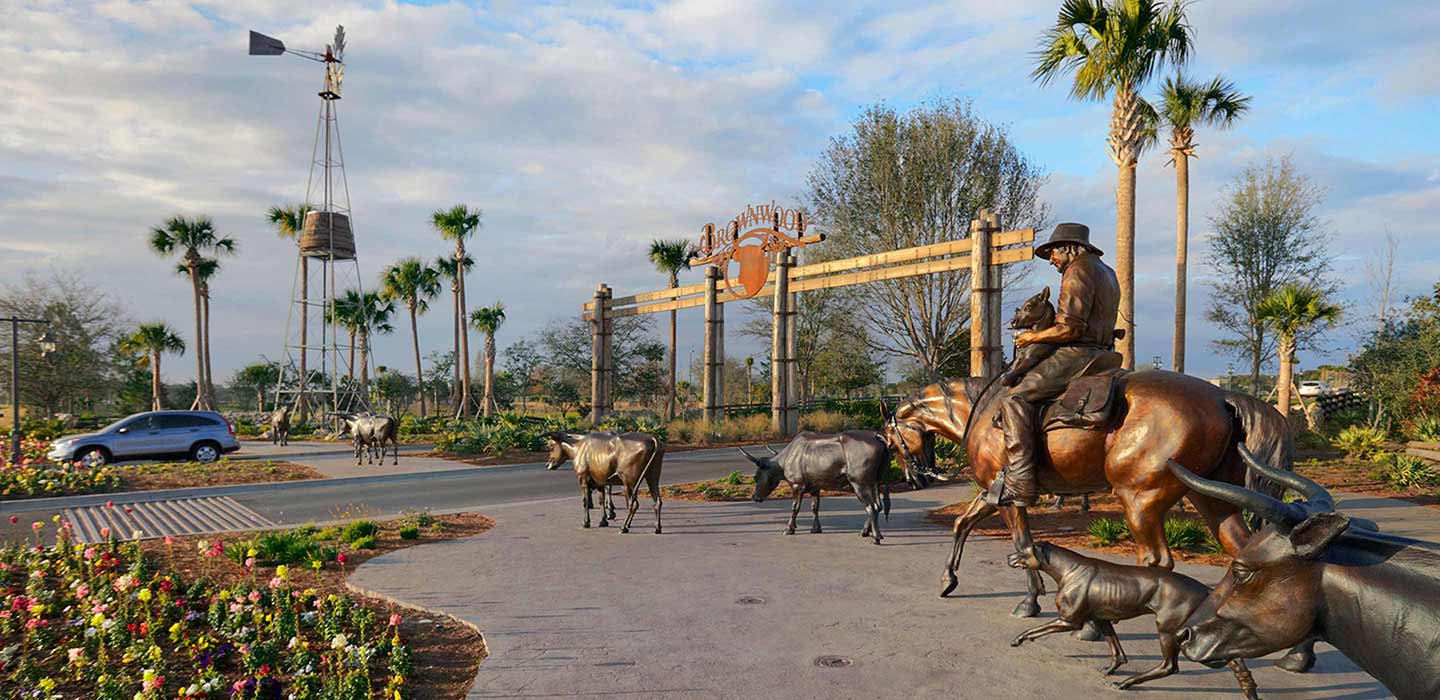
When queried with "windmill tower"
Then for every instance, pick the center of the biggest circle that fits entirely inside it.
(317, 368)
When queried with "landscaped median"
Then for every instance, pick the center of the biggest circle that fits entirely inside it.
(36, 477)
(251, 616)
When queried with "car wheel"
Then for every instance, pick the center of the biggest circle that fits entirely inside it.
(205, 452)
(92, 457)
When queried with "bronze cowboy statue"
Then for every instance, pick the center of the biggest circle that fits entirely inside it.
(1080, 341)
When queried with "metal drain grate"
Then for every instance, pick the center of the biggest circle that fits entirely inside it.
(181, 516)
(750, 600)
(831, 661)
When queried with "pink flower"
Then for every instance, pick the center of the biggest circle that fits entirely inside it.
(276, 582)
(76, 653)
(394, 620)
(82, 591)
(169, 539)
(340, 558)
(249, 562)
(90, 552)
(14, 519)
(36, 525)
(254, 596)
(105, 532)
(109, 504)
(236, 607)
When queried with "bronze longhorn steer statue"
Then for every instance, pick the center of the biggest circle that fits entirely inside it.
(1093, 590)
(1314, 573)
(602, 456)
(280, 426)
(815, 461)
(371, 433)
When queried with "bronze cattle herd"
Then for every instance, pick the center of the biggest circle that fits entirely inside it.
(1308, 574)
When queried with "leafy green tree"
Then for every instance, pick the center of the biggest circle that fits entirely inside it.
(257, 377)
(457, 224)
(1392, 363)
(84, 372)
(149, 342)
(395, 389)
(901, 180)
(289, 222)
(488, 320)
(193, 238)
(413, 283)
(670, 257)
(1113, 49)
(1184, 105)
(1266, 235)
(1291, 311)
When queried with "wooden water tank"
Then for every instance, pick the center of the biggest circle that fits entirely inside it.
(325, 234)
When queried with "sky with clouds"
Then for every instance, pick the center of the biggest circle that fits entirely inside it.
(584, 130)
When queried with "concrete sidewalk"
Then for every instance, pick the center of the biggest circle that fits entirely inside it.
(724, 606)
(337, 459)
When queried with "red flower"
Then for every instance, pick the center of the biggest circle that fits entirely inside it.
(109, 504)
(14, 520)
(340, 558)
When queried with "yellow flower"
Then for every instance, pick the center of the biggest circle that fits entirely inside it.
(97, 619)
(251, 552)
(282, 571)
(47, 684)
(37, 610)
(144, 595)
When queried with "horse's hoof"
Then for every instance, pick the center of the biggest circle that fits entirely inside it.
(950, 583)
(624, 530)
(1297, 662)
(1017, 642)
(1088, 633)
(1026, 608)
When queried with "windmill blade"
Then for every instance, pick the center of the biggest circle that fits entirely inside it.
(261, 45)
(339, 45)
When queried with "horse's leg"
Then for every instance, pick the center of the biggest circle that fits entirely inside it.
(1019, 523)
(1145, 513)
(815, 511)
(1224, 520)
(977, 511)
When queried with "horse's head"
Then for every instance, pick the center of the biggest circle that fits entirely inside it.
(911, 446)
(560, 443)
(1037, 313)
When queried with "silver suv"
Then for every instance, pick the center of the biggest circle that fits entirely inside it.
(201, 435)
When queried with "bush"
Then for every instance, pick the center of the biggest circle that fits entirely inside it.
(824, 421)
(366, 542)
(284, 547)
(1361, 441)
(1404, 472)
(736, 478)
(1424, 428)
(1187, 535)
(1108, 531)
(359, 529)
(409, 532)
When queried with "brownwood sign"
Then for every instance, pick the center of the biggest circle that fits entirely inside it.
(767, 225)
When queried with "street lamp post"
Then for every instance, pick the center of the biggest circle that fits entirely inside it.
(47, 345)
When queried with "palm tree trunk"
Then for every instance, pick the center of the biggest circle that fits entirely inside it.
(464, 358)
(670, 394)
(419, 378)
(455, 330)
(156, 400)
(1287, 369)
(201, 401)
(365, 363)
(1182, 246)
(351, 371)
(1126, 125)
(209, 372)
(489, 374)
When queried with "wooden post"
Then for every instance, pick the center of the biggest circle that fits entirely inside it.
(718, 383)
(599, 355)
(779, 346)
(792, 374)
(707, 375)
(979, 302)
(995, 282)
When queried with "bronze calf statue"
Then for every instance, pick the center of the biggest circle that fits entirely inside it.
(602, 456)
(1106, 593)
(814, 461)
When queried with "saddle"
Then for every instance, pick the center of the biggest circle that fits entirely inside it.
(1089, 400)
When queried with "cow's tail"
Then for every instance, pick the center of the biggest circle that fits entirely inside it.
(885, 498)
(1266, 434)
(644, 471)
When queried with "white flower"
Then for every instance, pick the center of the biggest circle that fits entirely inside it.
(339, 642)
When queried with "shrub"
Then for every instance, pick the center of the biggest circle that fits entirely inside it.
(366, 542)
(1187, 535)
(824, 421)
(1361, 441)
(422, 519)
(1108, 531)
(282, 547)
(1424, 428)
(736, 478)
(1404, 472)
(409, 532)
(359, 529)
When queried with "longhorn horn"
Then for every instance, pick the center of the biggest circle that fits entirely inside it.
(1283, 515)
(1317, 498)
(772, 450)
(749, 456)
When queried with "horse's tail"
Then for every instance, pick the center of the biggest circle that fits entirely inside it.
(1267, 435)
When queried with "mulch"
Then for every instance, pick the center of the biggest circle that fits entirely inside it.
(447, 652)
(225, 472)
(1353, 476)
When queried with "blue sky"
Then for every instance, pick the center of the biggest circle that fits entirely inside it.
(584, 130)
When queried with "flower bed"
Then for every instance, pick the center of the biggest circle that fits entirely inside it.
(178, 619)
(34, 476)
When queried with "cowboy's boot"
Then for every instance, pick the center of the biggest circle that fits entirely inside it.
(1016, 484)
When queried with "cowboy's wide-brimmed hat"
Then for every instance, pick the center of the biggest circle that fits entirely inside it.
(1067, 233)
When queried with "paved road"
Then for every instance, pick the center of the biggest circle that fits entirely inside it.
(455, 489)
(724, 606)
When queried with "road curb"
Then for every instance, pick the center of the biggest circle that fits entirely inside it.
(484, 643)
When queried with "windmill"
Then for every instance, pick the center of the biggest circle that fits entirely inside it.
(314, 369)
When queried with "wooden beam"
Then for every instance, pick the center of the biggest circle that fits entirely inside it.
(907, 254)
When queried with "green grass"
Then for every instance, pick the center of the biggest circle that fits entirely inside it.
(1180, 534)
(736, 478)
(298, 546)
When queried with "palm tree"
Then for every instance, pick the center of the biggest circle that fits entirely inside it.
(487, 320)
(149, 342)
(289, 220)
(374, 319)
(193, 238)
(415, 283)
(456, 224)
(347, 313)
(207, 268)
(670, 257)
(1185, 104)
(448, 266)
(1115, 48)
(1290, 311)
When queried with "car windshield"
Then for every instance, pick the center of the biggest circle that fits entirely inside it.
(116, 424)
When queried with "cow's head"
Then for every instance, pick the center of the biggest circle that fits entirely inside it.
(768, 473)
(911, 447)
(559, 449)
(1270, 598)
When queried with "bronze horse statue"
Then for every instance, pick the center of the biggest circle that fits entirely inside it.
(1158, 416)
